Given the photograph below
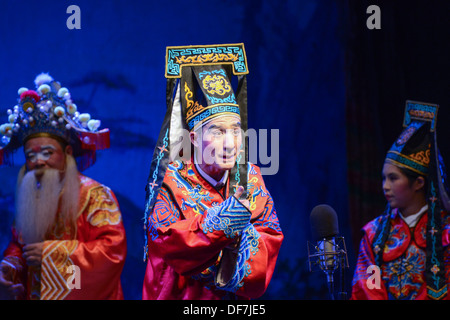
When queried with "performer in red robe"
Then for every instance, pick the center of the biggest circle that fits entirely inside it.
(213, 231)
(404, 253)
(68, 239)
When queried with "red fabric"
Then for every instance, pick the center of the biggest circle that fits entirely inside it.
(403, 266)
(94, 140)
(30, 94)
(99, 252)
(183, 258)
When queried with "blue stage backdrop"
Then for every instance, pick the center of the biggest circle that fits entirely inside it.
(114, 69)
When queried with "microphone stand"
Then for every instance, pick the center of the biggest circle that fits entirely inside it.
(343, 294)
(340, 256)
(330, 281)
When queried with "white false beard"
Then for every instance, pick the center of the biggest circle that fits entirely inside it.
(38, 200)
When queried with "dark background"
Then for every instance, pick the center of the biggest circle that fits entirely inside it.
(335, 89)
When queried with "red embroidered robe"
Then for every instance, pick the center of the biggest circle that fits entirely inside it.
(403, 260)
(189, 228)
(87, 267)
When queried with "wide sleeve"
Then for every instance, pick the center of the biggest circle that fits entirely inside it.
(90, 266)
(190, 245)
(258, 251)
(367, 283)
(14, 265)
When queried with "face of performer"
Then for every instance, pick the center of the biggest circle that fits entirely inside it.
(218, 145)
(45, 153)
(401, 192)
(49, 168)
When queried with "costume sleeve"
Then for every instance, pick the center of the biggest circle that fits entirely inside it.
(191, 245)
(364, 285)
(14, 262)
(89, 267)
(258, 251)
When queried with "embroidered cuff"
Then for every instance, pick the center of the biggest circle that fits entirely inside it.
(248, 247)
(230, 217)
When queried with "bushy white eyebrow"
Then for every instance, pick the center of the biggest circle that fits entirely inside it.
(43, 148)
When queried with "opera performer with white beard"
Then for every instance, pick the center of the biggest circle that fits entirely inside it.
(68, 239)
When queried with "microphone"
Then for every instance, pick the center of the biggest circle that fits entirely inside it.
(330, 252)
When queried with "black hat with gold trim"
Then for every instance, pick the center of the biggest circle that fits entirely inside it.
(413, 147)
(200, 88)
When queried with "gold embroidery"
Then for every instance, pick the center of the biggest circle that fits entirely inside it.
(421, 114)
(103, 210)
(421, 156)
(192, 107)
(54, 275)
(209, 57)
(216, 84)
(188, 95)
